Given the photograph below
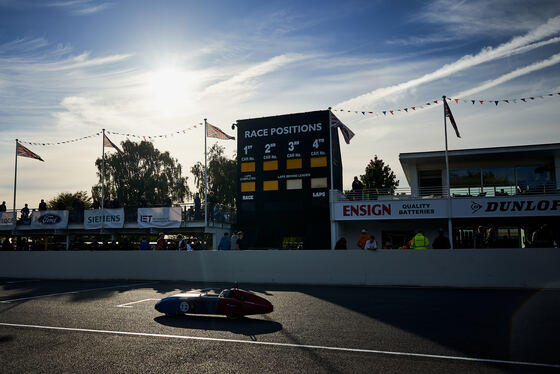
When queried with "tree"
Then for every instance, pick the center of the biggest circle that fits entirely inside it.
(141, 170)
(67, 199)
(222, 176)
(379, 176)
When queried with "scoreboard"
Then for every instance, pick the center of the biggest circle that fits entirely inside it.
(284, 179)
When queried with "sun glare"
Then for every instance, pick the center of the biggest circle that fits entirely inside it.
(171, 91)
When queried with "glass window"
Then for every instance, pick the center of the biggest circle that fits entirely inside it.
(465, 177)
(498, 177)
(534, 176)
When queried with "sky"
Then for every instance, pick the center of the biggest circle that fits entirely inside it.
(70, 68)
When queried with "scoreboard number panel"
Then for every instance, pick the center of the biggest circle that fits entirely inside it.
(284, 174)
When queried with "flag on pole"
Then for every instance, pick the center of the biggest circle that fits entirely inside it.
(346, 132)
(214, 132)
(24, 152)
(450, 116)
(109, 143)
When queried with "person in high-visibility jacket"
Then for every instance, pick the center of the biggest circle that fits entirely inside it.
(419, 241)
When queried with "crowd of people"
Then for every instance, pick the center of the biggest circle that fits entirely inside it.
(418, 241)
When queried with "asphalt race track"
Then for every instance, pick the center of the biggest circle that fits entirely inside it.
(112, 327)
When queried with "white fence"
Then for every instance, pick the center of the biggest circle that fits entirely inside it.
(500, 268)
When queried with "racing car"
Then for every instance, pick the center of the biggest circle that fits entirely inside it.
(231, 302)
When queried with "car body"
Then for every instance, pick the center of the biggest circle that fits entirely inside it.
(231, 302)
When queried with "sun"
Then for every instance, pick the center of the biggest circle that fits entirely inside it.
(171, 91)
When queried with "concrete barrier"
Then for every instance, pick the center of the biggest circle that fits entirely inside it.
(501, 268)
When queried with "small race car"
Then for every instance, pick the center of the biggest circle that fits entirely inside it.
(231, 302)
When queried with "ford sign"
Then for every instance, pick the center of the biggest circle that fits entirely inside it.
(49, 219)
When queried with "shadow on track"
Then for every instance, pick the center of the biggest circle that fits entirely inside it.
(242, 326)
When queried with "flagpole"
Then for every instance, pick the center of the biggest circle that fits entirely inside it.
(103, 181)
(331, 194)
(15, 184)
(205, 177)
(449, 224)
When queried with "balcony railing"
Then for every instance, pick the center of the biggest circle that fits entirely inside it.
(439, 192)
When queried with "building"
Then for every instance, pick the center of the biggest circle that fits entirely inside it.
(498, 197)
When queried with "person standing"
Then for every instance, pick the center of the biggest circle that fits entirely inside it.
(145, 245)
(419, 241)
(441, 242)
(357, 187)
(240, 241)
(161, 242)
(371, 243)
(3, 206)
(362, 240)
(225, 243)
(233, 240)
(25, 212)
(341, 244)
(197, 208)
(42, 205)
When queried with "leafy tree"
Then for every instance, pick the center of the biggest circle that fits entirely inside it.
(222, 176)
(67, 199)
(141, 170)
(379, 176)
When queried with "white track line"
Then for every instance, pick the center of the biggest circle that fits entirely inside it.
(128, 305)
(74, 292)
(406, 354)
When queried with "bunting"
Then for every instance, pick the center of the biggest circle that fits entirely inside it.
(413, 108)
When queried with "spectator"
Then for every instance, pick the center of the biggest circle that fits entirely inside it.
(441, 242)
(145, 245)
(25, 212)
(197, 215)
(233, 240)
(167, 201)
(225, 243)
(42, 205)
(341, 244)
(357, 188)
(371, 244)
(419, 241)
(7, 245)
(3, 206)
(143, 202)
(211, 206)
(362, 240)
(241, 245)
(161, 242)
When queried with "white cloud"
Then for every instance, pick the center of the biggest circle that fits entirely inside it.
(520, 44)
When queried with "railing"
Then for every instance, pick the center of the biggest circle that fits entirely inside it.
(438, 192)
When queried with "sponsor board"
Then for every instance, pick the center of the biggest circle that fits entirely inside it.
(107, 218)
(159, 217)
(49, 219)
(6, 220)
(384, 210)
(515, 206)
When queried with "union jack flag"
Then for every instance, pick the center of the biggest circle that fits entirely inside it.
(24, 152)
(214, 132)
(450, 116)
(109, 143)
(346, 132)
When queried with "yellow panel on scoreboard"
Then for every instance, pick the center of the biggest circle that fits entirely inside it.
(247, 167)
(270, 165)
(293, 163)
(319, 182)
(247, 186)
(318, 162)
(270, 185)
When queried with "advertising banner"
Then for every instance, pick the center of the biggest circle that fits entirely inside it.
(159, 217)
(49, 219)
(6, 220)
(111, 218)
(386, 210)
(511, 206)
